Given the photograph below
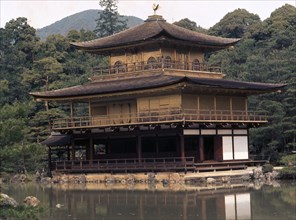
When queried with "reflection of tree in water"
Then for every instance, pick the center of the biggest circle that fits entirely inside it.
(271, 202)
(287, 194)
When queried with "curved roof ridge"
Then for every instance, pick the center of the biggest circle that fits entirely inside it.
(125, 37)
(179, 32)
(151, 29)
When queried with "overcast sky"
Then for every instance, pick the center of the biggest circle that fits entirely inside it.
(205, 13)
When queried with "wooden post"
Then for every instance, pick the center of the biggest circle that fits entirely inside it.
(71, 109)
(68, 152)
(182, 146)
(91, 149)
(139, 147)
(89, 113)
(231, 108)
(73, 149)
(71, 114)
(201, 149)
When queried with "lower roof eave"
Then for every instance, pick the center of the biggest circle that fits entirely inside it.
(205, 124)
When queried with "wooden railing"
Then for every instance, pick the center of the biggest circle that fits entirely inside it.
(158, 117)
(160, 64)
(126, 165)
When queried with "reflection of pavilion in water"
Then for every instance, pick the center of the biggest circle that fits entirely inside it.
(134, 204)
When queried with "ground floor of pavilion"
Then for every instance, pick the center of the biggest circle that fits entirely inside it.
(148, 149)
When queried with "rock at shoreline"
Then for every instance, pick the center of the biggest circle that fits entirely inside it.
(19, 178)
(257, 173)
(5, 200)
(45, 180)
(151, 178)
(31, 201)
(211, 180)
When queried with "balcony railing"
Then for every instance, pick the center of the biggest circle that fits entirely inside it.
(131, 164)
(160, 64)
(159, 117)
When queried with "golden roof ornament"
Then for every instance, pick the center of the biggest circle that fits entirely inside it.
(155, 7)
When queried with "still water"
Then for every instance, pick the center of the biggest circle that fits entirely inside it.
(158, 202)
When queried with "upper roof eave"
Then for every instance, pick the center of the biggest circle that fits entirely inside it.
(106, 49)
(151, 30)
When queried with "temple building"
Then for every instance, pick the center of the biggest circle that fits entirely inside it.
(156, 107)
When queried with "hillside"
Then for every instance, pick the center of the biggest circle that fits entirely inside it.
(85, 19)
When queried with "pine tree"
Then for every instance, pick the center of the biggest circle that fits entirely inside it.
(109, 21)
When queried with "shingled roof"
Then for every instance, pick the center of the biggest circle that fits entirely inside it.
(153, 29)
(148, 82)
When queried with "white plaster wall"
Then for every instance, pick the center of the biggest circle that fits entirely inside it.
(241, 147)
(227, 148)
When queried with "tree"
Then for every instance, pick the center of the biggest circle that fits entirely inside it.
(109, 22)
(190, 25)
(18, 49)
(234, 24)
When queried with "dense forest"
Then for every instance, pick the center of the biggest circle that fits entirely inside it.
(266, 53)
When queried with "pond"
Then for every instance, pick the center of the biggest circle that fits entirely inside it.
(142, 202)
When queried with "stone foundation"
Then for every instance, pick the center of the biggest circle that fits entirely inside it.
(166, 178)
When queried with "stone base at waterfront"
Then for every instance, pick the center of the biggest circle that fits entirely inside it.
(209, 178)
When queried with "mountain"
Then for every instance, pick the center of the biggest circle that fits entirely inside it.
(85, 19)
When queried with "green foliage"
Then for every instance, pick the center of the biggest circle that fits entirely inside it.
(39, 123)
(289, 160)
(23, 158)
(30, 65)
(190, 25)
(288, 173)
(109, 21)
(267, 168)
(234, 24)
(21, 213)
(13, 119)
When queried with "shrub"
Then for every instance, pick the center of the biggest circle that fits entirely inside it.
(287, 173)
(289, 160)
(267, 168)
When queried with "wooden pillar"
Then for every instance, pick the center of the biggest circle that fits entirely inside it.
(73, 149)
(233, 147)
(182, 146)
(215, 108)
(89, 110)
(71, 109)
(201, 149)
(231, 108)
(68, 152)
(91, 149)
(139, 147)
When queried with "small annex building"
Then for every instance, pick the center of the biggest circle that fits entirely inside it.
(156, 107)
